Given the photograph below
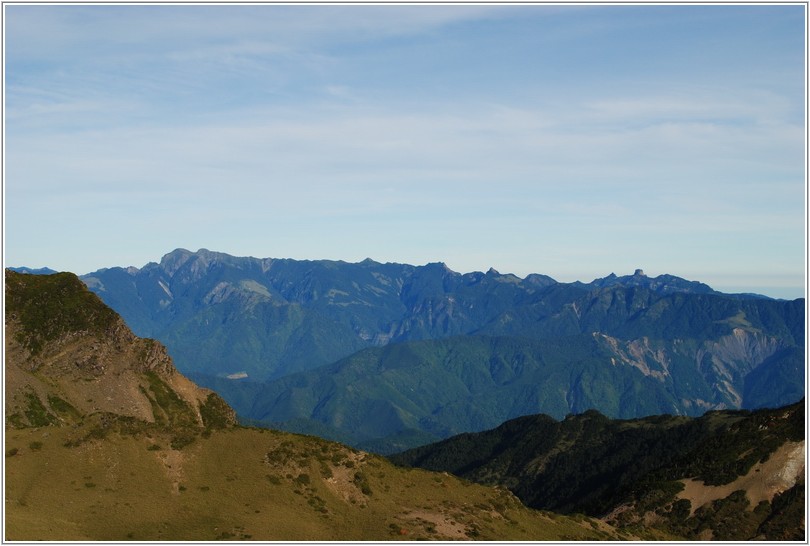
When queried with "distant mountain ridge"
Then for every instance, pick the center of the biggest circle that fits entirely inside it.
(354, 305)
(32, 271)
(270, 335)
(663, 284)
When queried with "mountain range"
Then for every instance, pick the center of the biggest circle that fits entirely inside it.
(106, 440)
(390, 356)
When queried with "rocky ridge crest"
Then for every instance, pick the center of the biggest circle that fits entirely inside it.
(68, 356)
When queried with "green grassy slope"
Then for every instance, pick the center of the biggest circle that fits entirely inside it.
(104, 440)
(51, 306)
(240, 484)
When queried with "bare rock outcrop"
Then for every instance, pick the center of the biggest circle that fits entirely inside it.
(69, 356)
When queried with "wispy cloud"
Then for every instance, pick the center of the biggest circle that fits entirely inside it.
(509, 131)
(442, 154)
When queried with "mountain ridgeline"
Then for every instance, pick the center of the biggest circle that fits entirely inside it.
(106, 441)
(390, 356)
(70, 359)
(727, 475)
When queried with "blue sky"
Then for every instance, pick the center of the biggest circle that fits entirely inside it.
(569, 140)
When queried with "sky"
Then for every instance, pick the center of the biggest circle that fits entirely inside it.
(568, 140)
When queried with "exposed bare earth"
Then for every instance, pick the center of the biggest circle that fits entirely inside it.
(779, 473)
(342, 480)
(444, 525)
(94, 374)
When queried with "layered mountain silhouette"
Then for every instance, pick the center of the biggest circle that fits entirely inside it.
(390, 356)
(34, 271)
(105, 440)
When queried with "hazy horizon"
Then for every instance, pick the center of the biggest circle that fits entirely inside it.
(773, 292)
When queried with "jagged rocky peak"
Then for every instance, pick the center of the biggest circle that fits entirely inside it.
(193, 265)
(437, 265)
(210, 256)
(662, 284)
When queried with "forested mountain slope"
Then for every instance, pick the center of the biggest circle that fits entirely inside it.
(267, 317)
(728, 475)
(625, 345)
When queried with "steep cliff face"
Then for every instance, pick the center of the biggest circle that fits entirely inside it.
(68, 356)
(729, 359)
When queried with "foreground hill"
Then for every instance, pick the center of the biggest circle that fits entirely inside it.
(105, 440)
(728, 475)
(240, 484)
(281, 340)
(69, 356)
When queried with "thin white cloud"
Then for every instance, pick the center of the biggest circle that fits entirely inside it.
(48, 31)
(209, 122)
(427, 150)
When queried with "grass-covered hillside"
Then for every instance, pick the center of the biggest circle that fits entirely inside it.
(105, 440)
(250, 484)
(50, 307)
